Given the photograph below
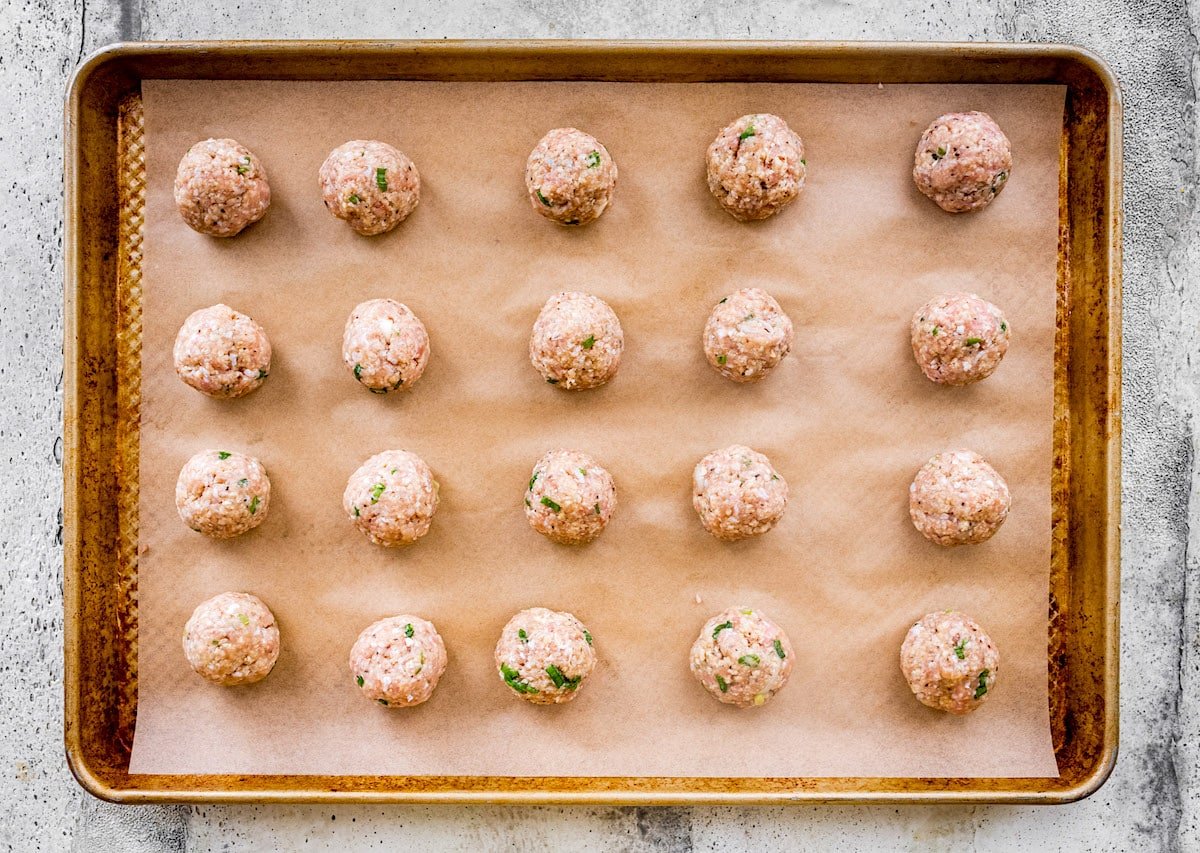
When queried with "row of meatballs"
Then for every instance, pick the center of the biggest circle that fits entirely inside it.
(956, 498)
(577, 342)
(741, 656)
(755, 168)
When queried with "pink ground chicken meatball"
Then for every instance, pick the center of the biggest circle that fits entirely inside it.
(962, 161)
(370, 185)
(232, 639)
(576, 341)
(385, 345)
(958, 499)
(222, 494)
(398, 662)
(958, 338)
(742, 657)
(747, 335)
(738, 493)
(391, 498)
(570, 498)
(222, 353)
(949, 662)
(756, 166)
(570, 177)
(544, 655)
(221, 187)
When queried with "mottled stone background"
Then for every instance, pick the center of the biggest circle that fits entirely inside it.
(1152, 800)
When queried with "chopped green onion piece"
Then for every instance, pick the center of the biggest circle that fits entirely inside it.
(724, 685)
(354, 199)
(523, 636)
(597, 508)
(542, 198)
(1004, 327)
(974, 342)
(262, 374)
(358, 372)
(593, 159)
(747, 133)
(244, 166)
(556, 675)
(803, 162)
(722, 358)
(513, 679)
(382, 702)
(749, 660)
(527, 503)
(359, 679)
(254, 505)
(376, 491)
(408, 630)
(960, 650)
(550, 503)
(356, 512)
(588, 342)
(587, 636)
(533, 479)
(223, 454)
(934, 331)
(982, 688)
(939, 154)
(243, 618)
(243, 482)
(720, 628)
(779, 650)
(381, 179)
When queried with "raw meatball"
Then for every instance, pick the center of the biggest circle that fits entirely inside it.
(385, 345)
(962, 162)
(570, 497)
(223, 494)
(392, 498)
(949, 662)
(398, 661)
(220, 188)
(958, 338)
(756, 166)
(222, 353)
(570, 177)
(544, 655)
(958, 499)
(369, 184)
(741, 657)
(232, 639)
(738, 493)
(576, 342)
(746, 335)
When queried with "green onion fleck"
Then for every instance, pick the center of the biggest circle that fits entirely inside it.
(382, 702)
(254, 504)
(588, 342)
(587, 636)
(960, 651)
(542, 198)
(939, 154)
(359, 679)
(408, 630)
(223, 454)
(533, 479)
(974, 342)
(381, 179)
(722, 358)
(720, 628)
(1004, 327)
(593, 159)
(550, 503)
(356, 512)
(934, 331)
(513, 679)
(747, 133)
(243, 618)
(242, 482)
(803, 162)
(779, 650)
(749, 660)
(555, 675)
(262, 374)
(354, 199)
(522, 635)
(597, 508)
(982, 688)
(244, 166)
(376, 491)
(724, 685)
(358, 372)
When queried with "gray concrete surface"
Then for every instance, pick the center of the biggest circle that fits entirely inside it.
(1152, 801)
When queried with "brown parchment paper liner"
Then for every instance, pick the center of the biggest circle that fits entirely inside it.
(847, 419)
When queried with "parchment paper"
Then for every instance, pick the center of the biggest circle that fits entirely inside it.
(847, 419)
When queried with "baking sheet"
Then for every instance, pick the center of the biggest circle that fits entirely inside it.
(847, 419)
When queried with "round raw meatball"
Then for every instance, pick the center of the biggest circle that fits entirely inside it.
(545, 655)
(392, 498)
(738, 493)
(747, 335)
(570, 497)
(220, 188)
(369, 184)
(222, 353)
(385, 345)
(756, 166)
(398, 661)
(742, 657)
(232, 639)
(576, 342)
(570, 177)
(222, 494)
(962, 162)
(958, 338)
(958, 499)
(949, 662)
